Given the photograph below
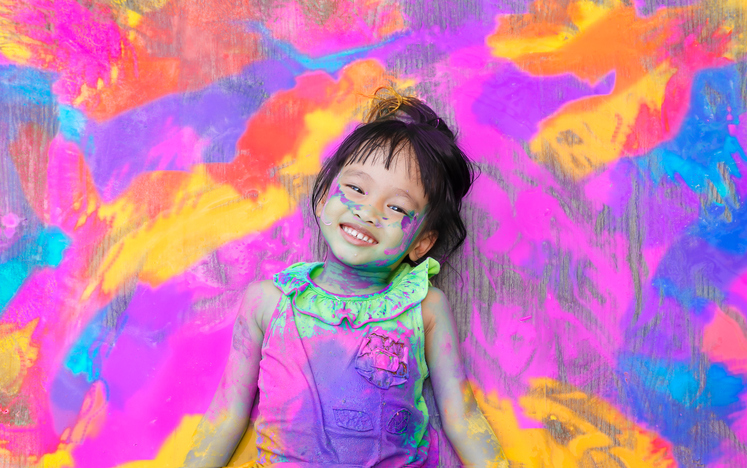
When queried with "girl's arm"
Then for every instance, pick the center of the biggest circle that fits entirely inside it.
(227, 418)
(463, 422)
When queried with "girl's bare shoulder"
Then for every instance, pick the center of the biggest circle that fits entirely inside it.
(435, 306)
(259, 302)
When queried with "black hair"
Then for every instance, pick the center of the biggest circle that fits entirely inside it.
(396, 123)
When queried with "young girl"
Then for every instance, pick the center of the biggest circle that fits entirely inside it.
(339, 350)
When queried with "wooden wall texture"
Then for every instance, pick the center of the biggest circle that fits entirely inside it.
(156, 157)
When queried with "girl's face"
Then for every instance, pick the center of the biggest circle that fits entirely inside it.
(372, 216)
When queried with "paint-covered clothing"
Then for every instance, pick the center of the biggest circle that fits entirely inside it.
(341, 377)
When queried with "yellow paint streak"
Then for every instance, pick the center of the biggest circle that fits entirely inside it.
(586, 13)
(10, 46)
(582, 14)
(587, 134)
(86, 92)
(13, 51)
(133, 18)
(577, 426)
(204, 216)
(322, 126)
(174, 450)
(734, 13)
(17, 355)
(59, 459)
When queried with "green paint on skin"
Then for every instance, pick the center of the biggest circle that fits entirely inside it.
(372, 274)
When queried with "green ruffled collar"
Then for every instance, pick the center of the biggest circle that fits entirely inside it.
(409, 287)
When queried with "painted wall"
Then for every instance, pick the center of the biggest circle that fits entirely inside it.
(155, 158)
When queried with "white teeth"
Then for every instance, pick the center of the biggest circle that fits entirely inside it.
(357, 234)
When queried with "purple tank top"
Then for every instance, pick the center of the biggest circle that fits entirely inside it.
(341, 377)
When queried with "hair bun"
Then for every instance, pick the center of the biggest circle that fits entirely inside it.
(389, 104)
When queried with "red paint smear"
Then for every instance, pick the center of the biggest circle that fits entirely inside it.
(263, 146)
(653, 126)
(184, 46)
(335, 26)
(29, 152)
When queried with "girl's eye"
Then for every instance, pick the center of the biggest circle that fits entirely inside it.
(354, 188)
(398, 209)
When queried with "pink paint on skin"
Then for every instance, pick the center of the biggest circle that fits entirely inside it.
(411, 226)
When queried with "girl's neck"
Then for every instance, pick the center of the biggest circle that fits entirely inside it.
(339, 278)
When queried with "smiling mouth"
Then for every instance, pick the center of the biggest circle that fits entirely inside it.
(356, 235)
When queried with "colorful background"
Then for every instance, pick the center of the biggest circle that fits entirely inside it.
(156, 157)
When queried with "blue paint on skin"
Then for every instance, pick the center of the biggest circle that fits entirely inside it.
(411, 227)
(679, 402)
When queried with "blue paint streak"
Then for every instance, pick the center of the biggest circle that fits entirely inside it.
(704, 141)
(675, 400)
(72, 123)
(25, 86)
(331, 63)
(46, 250)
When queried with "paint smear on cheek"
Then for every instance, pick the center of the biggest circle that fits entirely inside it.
(410, 227)
(334, 191)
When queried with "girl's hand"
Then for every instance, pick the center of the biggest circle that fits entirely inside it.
(227, 418)
(463, 422)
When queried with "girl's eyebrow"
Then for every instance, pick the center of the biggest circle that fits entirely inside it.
(356, 172)
(407, 195)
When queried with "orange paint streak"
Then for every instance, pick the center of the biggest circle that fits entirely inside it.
(576, 428)
(618, 40)
(654, 60)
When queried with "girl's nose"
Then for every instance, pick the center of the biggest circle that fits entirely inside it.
(368, 214)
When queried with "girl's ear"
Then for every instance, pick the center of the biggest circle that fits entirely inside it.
(320, 206)
(423, 245)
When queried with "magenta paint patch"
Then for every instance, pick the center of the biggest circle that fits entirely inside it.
(156, 159)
